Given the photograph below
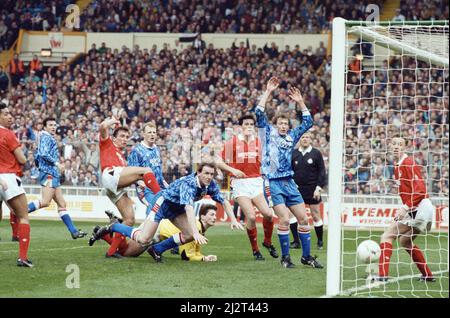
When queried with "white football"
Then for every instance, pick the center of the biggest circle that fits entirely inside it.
(368, 251)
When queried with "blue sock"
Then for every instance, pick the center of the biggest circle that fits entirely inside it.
(122, 229)
(65, 217)
(305, 238)
(33, 206)
(165, 245)
(284, 243)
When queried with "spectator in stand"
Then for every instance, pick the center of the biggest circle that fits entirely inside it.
(199, 44)
(4, 80)
(398, 16)
(35, 64)
(424, 10)
(16, 69)
(196, 98)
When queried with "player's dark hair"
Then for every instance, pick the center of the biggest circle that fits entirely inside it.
(46, 120)
(2, 106)
(206, 164)
(117, 130)
(246, 117)
(205, 208)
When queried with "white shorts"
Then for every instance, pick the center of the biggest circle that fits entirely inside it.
(14, 186)
(424, 216)
(110, 181)
(247, 187)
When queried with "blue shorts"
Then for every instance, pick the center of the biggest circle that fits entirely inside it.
(46, 179)
(164, 209)
(285, 191)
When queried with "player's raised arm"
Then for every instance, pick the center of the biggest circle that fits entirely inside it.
(105, 125)
(307, 120)
(261, 117)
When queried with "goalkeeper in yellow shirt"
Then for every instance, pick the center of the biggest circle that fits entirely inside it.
(189, 251)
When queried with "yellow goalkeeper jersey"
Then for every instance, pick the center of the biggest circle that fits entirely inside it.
(189, 251)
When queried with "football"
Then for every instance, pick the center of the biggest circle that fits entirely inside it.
(368, 251)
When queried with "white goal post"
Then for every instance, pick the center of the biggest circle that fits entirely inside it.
(421, 41)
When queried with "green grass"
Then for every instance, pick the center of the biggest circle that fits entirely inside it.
(403, 271)
(235, 274)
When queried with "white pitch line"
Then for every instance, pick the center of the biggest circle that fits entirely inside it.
(49, 249)
(379, 284)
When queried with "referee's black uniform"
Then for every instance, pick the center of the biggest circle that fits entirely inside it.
(309, 172)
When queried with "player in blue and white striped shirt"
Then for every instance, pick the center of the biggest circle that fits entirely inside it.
(47, 160)
(175, 203)
(278, 142)
(146, 154)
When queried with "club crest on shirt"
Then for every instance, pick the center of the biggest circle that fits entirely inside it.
(310, 161)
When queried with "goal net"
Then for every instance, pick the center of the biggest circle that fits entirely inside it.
(389, 80)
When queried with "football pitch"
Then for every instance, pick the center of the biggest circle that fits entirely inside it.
(234, 275)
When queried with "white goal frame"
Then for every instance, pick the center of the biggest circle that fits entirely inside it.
(339, 59)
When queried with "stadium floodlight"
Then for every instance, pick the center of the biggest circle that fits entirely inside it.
(400, 89)
(46, 52)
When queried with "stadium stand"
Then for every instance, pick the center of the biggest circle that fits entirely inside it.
(195, 96)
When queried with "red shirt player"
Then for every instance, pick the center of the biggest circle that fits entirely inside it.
(11, 159)
(415, 215)
(241, 159)
(116, 176)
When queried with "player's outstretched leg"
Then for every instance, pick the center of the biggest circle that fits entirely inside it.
(65, 216)
(185, 236)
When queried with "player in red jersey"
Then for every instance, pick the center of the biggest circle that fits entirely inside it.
(116, 176)
(11, 160)
(415, 215)
(241, 159)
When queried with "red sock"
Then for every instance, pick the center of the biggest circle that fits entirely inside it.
(252, 236)
(123, 246)
(418, 258)
(151, 182)
(14, 224)
(115, 242)
(107, 238)
(268, 229)
(24, 240)
(385, 258)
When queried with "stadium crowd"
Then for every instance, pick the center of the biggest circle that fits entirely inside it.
(196, 99)
(404, 101)
(219, 16)
(43, 15)
(412, 10)
(196, 96)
